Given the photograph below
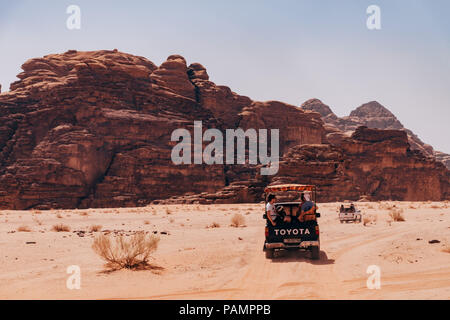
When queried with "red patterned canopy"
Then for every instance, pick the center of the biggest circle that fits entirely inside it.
(289, 187)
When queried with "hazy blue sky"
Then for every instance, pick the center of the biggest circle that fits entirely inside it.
(268, 50)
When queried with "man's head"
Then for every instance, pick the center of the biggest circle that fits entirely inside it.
(307, 196)
(271, 198)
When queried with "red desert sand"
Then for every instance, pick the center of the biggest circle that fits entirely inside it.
(197, 261)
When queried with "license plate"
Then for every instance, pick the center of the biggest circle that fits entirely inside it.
(292, 240)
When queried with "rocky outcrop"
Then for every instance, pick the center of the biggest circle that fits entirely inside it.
(93, 129)
(372, 115)
(371, 164)
(443, 157)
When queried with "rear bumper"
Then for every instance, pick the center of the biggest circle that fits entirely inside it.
(302, 245)
(350, 219)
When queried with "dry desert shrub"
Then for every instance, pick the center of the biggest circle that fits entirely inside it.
(397, 214)
(370, 219)
(238, 220)
(213, 225)
(366, 220)
(61, 228)
(168, 211)
(59, 216)
(126, 252)
(146, 222)
(24, 229)
(95, 228)
(435, 207)
(84, 214)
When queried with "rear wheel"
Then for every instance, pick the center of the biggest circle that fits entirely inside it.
(315, 253)
(269, 253)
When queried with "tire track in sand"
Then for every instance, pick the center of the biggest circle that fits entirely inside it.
(296, 277)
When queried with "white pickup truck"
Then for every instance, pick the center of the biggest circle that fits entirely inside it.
(349, 214)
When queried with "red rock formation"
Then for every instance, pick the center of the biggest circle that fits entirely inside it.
(443, 157)
(372, 164)
(93, 129)
(372, 115)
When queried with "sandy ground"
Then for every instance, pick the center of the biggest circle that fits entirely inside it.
(226, 262)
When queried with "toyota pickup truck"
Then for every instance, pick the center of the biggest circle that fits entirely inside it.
(294, 234)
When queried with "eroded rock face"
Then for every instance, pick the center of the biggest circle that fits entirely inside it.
(93, 129)
(443, 157)
(372, 164)
(372, 115)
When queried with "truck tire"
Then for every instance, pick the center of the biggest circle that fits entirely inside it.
(315, 253)
(269, 253)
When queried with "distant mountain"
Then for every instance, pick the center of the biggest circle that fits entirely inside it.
(372, 115)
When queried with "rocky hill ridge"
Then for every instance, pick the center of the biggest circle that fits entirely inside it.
(372, 115)
(93, 129)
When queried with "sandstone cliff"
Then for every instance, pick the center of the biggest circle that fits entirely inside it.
(93, 129)
(372, 115)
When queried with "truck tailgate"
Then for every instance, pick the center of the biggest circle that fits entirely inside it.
(293, 232)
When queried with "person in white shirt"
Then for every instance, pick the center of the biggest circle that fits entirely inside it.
(271, 212)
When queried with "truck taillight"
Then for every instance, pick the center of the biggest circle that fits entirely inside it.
(317, 230)
(267, 232)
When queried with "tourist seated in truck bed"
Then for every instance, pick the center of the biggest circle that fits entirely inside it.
(307, 209)
(276, 214)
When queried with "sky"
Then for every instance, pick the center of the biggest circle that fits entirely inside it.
(287, 50)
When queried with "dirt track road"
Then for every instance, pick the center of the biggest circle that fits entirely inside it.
(294, 276)
(228, 263)
(341, 272)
